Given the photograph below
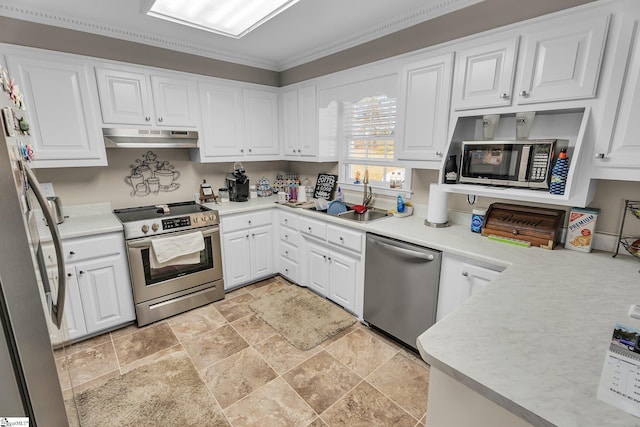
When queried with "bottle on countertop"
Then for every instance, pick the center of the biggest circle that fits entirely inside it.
(401, 204)
(339, 196)
(206, 192)
(559, 174)
(451, 170)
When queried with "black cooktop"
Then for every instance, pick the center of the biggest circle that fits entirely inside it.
(151, 212)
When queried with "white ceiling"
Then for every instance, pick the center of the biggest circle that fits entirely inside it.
(306, 31)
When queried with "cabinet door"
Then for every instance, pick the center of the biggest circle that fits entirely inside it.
(106, 293)
(459, 279)
(175, 101)
(289, 121)
(342, 279)
(619, 146)
(261, 251)
(308, 122)
(261, 122)
(237, 258)
(484, 75)
(125, 97)
(562, 62)
(424, 108)
(74, 313)
(317, 268)
(62, 110)
(221, 108)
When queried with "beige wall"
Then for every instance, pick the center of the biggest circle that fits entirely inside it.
(107, 184)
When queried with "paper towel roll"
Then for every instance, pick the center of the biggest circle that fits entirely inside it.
(438, 205)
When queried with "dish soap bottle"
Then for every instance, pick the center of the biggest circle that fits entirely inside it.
(400, 207)
(339, 195)
(451, 171)
(559, 174)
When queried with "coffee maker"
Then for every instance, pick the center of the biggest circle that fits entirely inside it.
(238, 184)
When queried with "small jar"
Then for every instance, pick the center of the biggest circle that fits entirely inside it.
(477, 218)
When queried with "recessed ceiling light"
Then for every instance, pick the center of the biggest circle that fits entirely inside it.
(232, 18)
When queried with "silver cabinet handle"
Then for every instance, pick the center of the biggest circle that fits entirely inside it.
(465, 273)
(147, 119)
(160, 119)
(504, 96)
(439, 153)
(524, 93)
(599, 155)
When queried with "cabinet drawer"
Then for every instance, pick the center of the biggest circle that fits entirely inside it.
(289, 236)
(288, 251)
(313, 227)
(244, 221)
(288, 219)
(345, 238)
(289, 269)
(97, 246)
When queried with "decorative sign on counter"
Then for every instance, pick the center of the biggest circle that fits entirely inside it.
(620, 380)
(325, 186)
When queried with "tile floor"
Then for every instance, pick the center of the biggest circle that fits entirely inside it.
(357, 378)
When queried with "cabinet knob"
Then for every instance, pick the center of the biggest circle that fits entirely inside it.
(286, 253)
(309, 229)
(286, 236)
(599, 155)
(72, 253)
(294, 150)
(325, 257)
(249, 222)
(329, 259)
(439, 153)
(286, 221)
(147, 119)
(342, 239)
(81, 272)
(299, 150)
(504, 96)
(242, 150)
(69, 274)
(286, 270)
(160, 119)
(524, 93)
(465, 273)
(247, 236)
(250, 150)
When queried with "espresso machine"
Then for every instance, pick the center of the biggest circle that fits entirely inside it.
(238, 184)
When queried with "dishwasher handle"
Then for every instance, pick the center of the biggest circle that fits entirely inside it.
(408, 252)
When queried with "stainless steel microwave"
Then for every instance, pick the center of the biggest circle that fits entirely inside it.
(524, 163)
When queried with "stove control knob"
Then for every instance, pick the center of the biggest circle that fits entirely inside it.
(145, 229)
(195, 219)
(212, 217)
(155, 227)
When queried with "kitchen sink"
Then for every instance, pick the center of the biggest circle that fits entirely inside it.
(371, 214)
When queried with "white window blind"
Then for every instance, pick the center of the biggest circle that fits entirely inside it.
(369, 130)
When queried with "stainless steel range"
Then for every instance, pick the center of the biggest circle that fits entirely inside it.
(175, 259)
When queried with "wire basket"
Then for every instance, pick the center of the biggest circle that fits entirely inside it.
(632, 245)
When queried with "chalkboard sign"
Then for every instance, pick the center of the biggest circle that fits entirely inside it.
(325, 186)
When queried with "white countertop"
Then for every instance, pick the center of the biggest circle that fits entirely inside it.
(535, 339)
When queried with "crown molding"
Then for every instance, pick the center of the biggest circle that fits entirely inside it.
(24, 12)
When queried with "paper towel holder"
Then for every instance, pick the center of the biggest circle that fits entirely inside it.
(436, 224)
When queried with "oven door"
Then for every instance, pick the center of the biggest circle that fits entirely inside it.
(149, 283)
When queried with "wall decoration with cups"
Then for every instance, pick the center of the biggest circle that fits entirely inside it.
(151, 176)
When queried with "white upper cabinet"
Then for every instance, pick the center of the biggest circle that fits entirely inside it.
(299, 123)
(423, 109)
(237, 122)
(562, 62)
(484, 75)
(617, 148)
(559, 60)
(261, 122)
(62, 108)
(141, 98)
(222, 126)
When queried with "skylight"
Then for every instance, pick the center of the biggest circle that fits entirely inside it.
(232, 18)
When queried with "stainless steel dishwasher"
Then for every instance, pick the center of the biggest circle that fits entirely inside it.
(401, 287)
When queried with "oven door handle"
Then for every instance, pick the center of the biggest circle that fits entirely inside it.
(146, 242)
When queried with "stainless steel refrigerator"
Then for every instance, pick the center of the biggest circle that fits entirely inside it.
(31, 305)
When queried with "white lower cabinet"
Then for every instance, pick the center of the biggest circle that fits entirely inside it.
(459, 279)
(289, 246)
(247, 247)
(334, 264)
(99, 295)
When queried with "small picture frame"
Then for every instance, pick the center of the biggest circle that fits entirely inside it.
(9, 122)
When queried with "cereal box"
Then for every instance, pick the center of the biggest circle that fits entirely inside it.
(582, 225)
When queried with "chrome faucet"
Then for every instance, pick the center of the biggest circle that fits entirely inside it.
(368, 193)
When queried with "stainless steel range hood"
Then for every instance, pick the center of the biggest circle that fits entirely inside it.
(150, 138)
